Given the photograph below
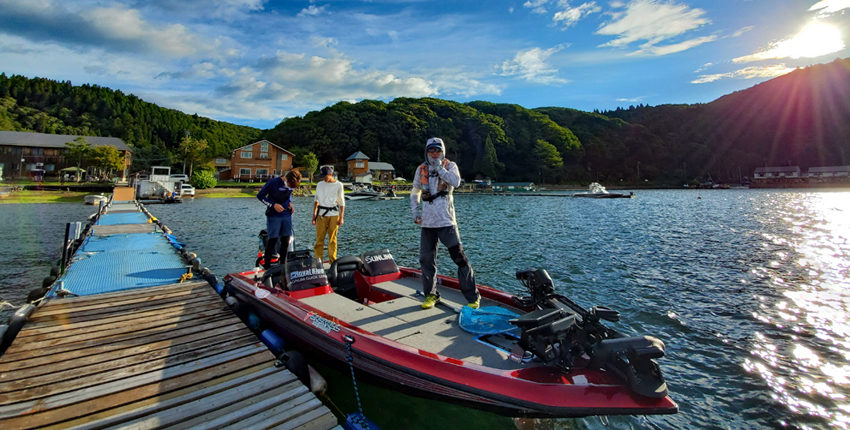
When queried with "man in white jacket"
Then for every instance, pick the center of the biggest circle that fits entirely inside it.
(328, 210)
(432, 204)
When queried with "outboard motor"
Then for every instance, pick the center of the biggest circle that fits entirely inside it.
(558, 336)
(303, 271)
(377, 263)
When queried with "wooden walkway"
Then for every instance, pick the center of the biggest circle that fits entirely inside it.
(172, 356)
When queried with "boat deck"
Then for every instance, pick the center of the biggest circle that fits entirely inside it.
(169, 356)
(403, 320)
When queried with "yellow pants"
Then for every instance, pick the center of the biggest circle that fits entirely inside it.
(326, 225)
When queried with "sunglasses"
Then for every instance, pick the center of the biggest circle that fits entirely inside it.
(432, 150)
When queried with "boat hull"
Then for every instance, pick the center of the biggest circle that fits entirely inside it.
(524, 391)
(604, 195)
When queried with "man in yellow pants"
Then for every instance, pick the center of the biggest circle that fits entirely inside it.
(328, 210)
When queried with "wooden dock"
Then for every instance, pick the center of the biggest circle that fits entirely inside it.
(170, 356)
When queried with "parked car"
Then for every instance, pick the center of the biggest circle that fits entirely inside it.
(187, 190)
(179, 177)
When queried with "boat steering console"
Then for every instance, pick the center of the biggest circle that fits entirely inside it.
(560, 332)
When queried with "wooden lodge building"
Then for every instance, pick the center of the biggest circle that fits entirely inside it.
(25, 154)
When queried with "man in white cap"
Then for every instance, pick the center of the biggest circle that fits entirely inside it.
(328, 210)
(433, 209)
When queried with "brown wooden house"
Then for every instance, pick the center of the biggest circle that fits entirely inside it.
(259, 161)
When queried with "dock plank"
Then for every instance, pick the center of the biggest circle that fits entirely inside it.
(129, 340)
(69, 378)
(155, 382)
(62, 320)
(39, 365)
(124, 319)
(134, 414)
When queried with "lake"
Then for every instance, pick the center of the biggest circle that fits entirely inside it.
(749, 289)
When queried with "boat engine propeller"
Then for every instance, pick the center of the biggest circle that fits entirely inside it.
(562, 333)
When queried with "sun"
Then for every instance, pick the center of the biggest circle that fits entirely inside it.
(813, 40)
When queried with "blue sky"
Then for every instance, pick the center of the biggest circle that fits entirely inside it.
(255, 62)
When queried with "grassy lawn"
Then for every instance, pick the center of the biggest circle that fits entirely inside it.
(28, 196)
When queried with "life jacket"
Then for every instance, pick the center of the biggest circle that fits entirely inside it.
(442, 186)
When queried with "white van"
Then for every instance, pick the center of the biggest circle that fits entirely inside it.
(179, 177)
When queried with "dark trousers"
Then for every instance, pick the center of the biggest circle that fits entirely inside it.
(450, 237)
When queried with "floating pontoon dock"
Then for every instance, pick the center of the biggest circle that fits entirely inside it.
(131, 347)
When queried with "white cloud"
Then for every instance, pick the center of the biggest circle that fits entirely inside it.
(536, 6)
(126, 25)
(530, 64)
(115, 28)
(671, 49)
(312, 11)
(829, 7)
(323, 42)
(746, 73)
(569, 16)
(288, 76)
(742, 31)
(650, 20)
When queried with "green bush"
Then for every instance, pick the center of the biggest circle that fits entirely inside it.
(203, 179)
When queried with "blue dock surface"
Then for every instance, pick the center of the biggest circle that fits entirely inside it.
(136, 343)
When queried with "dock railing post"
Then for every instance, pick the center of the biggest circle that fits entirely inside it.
(72, 233)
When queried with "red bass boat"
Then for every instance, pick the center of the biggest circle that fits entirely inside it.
(550, 358)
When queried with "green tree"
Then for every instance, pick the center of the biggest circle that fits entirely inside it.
(106, 159)
(78, 153)
(309, 162)
(487, 162)
(203, 179)
(193, 151)
(547, 156)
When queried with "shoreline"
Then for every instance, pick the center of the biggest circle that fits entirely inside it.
(66, 196)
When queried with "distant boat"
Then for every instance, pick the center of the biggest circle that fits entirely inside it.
(95, 199)
(364, 193)
(597, 191)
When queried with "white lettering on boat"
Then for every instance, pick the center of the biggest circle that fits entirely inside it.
(323, 324)
(376, 258)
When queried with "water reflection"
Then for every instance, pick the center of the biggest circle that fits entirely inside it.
(802, 348)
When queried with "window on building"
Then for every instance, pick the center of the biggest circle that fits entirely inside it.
(359, 164)
(264, 155)
(220, 161)
(284, 157)
(244, 172)
(262, 172)
(264, 147)
(247, 154)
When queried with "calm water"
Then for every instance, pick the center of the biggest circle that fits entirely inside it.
(749, 289)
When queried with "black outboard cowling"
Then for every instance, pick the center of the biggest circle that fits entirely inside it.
(377, 263)
(303, 271)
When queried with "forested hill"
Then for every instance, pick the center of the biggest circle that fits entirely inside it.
(802, 118)
(48, 106)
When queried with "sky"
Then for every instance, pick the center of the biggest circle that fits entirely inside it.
(257, 62)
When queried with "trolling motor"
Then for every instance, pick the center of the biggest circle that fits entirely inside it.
(562, 333)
